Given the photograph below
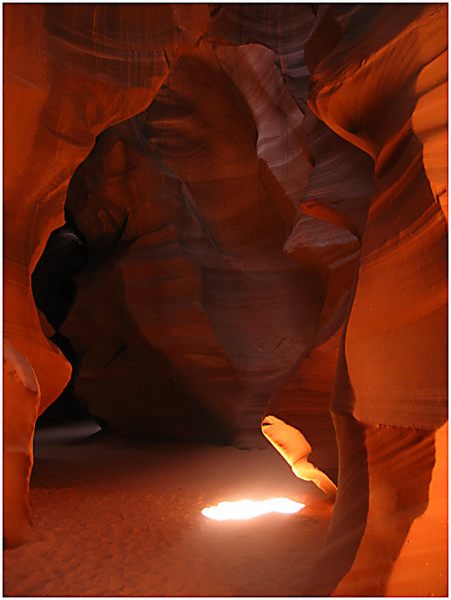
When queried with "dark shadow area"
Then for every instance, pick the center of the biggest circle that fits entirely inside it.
(351, 506)
(54, 291)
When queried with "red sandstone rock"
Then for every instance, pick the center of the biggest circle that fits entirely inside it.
(390, 393)
(70, 72)
(197, 247)
(249, 254)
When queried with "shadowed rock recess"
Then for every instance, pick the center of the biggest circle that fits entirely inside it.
(229, 221)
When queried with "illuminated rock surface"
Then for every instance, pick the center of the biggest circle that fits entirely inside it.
(255, 203)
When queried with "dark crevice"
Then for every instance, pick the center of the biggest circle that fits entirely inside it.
(54, 291)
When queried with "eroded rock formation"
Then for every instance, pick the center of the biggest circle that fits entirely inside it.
(259, 192)
(391, 379)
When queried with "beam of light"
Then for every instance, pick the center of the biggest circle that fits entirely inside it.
(248, 509)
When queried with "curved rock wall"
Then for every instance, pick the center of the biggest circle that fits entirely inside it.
(70, 72)
(197, 249)
(391, 386)
(263, 211)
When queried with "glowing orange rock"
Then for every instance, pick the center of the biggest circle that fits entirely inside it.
(50, 127)
(265, 215)
(390, 395)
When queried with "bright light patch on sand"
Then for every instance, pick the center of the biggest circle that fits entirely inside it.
(248, 509)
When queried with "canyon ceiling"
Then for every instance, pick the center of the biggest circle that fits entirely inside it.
(236, 212)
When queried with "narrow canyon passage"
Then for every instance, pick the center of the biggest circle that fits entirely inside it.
(225, 242)
(121, 518)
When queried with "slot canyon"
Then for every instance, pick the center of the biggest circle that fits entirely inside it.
(225, 278)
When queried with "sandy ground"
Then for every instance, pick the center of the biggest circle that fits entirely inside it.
(119, 518)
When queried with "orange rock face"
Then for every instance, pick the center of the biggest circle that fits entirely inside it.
(260, 191)
(70, 72)
(391, 381)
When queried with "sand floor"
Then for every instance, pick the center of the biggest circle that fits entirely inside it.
(121, 518)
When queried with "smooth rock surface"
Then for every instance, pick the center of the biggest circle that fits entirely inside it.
(261, 193)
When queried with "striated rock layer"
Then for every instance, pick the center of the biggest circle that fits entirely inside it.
(255, 200)
(193, 250)
(391, 381)
(70, 72)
